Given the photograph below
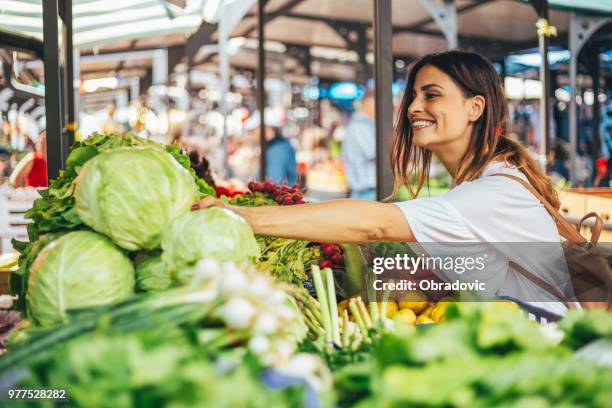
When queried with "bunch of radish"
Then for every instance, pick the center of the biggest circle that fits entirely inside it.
(283, 194)
(331, 256)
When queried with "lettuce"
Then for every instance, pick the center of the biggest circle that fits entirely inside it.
(80, 269)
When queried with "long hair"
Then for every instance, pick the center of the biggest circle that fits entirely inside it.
(489, 142)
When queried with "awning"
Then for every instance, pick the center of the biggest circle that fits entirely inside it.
(98, 22)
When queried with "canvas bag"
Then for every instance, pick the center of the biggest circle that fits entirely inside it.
(589, 264)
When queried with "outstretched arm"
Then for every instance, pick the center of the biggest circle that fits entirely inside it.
(342, 221)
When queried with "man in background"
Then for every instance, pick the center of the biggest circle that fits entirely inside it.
(359, 150)
(280, 155)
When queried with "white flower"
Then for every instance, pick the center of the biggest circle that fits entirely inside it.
(277, 297)
(311, 368)
(238, 312)
(282, 350)
(233, 281)
(208, 269)
(266, 323)
(285, 312)
(259, 344)
(260, 288)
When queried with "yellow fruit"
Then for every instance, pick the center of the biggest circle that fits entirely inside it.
(405, 316)
(391, 308)
(422, 319)
(428, 310)
(415, 301)
(438, 312)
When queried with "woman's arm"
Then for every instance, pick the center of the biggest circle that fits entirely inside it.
(341, 221)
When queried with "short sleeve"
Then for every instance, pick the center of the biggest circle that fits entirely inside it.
(434, 220)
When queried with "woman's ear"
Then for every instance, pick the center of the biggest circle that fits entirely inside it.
(477, 107)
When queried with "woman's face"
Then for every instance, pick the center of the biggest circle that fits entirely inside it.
(440, 115)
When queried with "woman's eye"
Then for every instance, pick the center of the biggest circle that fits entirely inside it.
(431, 95)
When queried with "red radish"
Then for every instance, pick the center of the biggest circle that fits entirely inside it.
(250, 186)
(296, 187)
(268, 186)
(327, 249)
(300, 202)
(287, 201)
(296, 197)
(325, 263)
(257, 186)
(336, 258)
(222, 191)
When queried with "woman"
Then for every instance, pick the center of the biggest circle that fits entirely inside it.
(453, 107)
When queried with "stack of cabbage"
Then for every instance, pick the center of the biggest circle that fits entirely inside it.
(136, 196)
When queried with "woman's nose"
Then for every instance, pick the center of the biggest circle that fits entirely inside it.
(415, 107)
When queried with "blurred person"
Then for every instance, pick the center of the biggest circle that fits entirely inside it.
(31, 171)
(359, 151)
(5, 164)
(281, 164)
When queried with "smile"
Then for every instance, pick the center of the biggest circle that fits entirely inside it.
(420, 124)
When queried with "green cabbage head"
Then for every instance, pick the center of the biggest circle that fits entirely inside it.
(130, 194)
(152, 274)
(78, 270)
(211, 233)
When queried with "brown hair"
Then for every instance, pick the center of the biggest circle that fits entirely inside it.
(475, 76)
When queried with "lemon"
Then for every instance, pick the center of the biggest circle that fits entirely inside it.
(392, 308)
(422, 319)
(405, 316)
(415, 301)
(428, 310)
(439, 312)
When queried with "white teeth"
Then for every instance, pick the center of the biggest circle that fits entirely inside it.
(422, 123)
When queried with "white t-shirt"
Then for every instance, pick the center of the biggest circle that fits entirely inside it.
(500, 213)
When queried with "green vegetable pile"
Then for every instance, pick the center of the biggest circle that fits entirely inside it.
(483, 355)
(55, 210)
(130, 191)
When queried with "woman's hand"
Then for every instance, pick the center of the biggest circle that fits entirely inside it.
(209, 202)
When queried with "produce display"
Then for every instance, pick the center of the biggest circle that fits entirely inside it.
(130, 299)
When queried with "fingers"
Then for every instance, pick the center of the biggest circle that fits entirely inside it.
(207, 202)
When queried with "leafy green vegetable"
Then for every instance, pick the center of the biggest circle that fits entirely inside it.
(18, 281)
(79, 269)
(150, 369)
(132, 194)
(582, 328)
(55, 211)
(287, 259)
(211, 233)
(482, 355)
(152, 274)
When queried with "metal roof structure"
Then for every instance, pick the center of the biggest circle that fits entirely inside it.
(492, 27)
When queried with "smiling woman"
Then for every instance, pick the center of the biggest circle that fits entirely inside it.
(453, 107)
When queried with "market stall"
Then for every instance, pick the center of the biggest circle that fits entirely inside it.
(125, 296)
